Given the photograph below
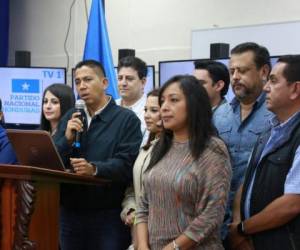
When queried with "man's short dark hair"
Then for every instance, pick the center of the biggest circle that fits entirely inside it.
(97, 66)
(261, 53)
(217, 71)
(136, 63)
(291, 71)
(0, 105)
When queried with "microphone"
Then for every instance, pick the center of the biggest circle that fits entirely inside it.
(79, 107)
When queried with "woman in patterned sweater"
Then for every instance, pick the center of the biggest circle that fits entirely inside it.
(187, 181)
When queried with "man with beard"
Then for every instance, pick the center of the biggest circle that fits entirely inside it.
(240, 122)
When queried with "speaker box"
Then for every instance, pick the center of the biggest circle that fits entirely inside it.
(126, 52)
(22, 58)
(219, 50)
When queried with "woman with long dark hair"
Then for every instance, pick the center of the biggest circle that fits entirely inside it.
(153, 125)
(57, 100)
(188, 178)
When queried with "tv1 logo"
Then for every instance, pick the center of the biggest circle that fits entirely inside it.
(53, 74)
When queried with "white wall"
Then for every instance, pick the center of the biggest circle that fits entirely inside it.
(157, 29)
(161, 29)
(274, 36)
(40, 26)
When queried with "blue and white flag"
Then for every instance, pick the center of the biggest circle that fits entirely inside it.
(31, 86)
(97, 46)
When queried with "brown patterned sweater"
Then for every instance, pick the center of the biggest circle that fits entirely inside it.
(184, 196)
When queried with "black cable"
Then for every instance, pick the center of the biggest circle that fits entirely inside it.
(67, 35)
(86, 11)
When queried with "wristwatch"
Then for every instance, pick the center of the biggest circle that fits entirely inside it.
(241, 229)
(175, 246)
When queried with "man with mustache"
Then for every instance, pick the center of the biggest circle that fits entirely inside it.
(240, 122)
(270, 203)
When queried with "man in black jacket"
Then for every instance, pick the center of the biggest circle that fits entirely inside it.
(110, 141)
(268, 203)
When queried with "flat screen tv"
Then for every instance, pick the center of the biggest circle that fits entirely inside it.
(274, 60)
(167, 69)
(21, 91)
(150, 83)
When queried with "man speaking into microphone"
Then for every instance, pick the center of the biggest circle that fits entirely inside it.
(110, 138)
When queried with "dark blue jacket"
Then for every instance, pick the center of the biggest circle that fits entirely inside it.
(111, 143)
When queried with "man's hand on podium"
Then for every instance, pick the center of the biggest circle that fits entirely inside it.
(81, 166)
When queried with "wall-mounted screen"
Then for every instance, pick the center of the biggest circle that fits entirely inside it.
(167, 69)
(274, 60)
(21, 91)
(150, 83)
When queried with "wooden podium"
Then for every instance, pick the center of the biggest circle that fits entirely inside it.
(30, 205)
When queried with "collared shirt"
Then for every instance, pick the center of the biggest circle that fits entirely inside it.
(89, 117)
(240, 137)
(223, 101)
(279, 135)
(139, 109)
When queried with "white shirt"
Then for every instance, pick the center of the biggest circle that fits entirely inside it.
(138, 108)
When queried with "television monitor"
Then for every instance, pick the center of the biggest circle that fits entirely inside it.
(150, 83)
(22, 90)
(274, 60)
(167, 69)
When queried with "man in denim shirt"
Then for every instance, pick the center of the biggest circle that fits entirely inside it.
(240, 122)
(270, 200)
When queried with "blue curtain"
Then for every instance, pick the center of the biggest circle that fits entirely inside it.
(4, 29)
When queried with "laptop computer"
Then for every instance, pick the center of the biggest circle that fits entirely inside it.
(35, 148)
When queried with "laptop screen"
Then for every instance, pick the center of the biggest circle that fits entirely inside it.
(35, 148)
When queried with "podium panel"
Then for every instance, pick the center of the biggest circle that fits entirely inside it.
(7, 217)
(29, 203)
